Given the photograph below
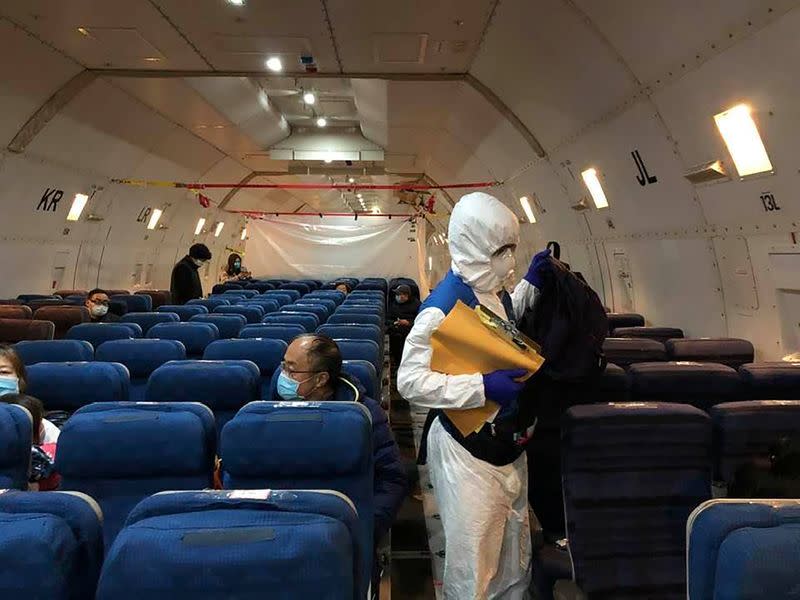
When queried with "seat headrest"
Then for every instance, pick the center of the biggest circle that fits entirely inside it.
(261, 440)
(221, 385)
(141, 357)
(68, 386)
(100, 441)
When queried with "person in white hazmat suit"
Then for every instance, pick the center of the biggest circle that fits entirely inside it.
(480, 482)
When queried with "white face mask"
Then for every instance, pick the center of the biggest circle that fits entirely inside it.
(99, 310)
(503, 266)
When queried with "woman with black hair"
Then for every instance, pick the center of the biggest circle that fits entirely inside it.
(233, 271)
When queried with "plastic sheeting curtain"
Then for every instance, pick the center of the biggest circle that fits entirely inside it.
(310, 247)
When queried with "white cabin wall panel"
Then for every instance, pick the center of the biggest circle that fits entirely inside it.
(21, 95)
(760, 71)
(665, 205)
(550, 68)
(675, 283)
(762, 325)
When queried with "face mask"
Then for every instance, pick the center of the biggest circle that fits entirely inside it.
(400, 299)
(199, 262)
(8, 385)
(288, 387)
(237, 265)
(503, 265)
(99, 310)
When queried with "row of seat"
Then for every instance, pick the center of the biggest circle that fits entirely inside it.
(120, 454)
(700, 384)
(233, 373)
(732, 352)
(633, 474)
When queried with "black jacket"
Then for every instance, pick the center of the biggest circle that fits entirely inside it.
(407, 311)
(185, 283)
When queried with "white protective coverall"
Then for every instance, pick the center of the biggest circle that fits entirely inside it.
(484, 508)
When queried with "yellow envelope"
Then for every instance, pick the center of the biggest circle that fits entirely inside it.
(464, 345)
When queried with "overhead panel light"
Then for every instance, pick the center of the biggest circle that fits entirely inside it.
(744, 143)
(244, 234)
(322, 122)
(430, 263)
(376, 210)
(526, 206)
(595, 189)
(309, 98)
(78, 204)
(274, 64)
(157, 212)
(200, 224)
(220, 225)
(236, 2)
(351, 180)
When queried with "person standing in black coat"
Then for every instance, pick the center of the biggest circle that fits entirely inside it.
(185, 284)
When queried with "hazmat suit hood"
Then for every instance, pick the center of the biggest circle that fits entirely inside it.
(479, 226)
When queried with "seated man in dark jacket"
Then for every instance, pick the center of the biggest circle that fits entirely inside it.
(98, 302)
(185, 284)
(312, 371)
(403, 309)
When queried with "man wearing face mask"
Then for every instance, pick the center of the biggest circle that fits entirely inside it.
(480, 481)
(98, 302)
(312, 371)
(186, 283)
(399, 319)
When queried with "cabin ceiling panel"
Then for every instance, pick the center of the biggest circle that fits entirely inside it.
(117, 33)
(656, 37)
(386, 36)
(492, 138)
(20, 94)
(89, 133)
(371, 97)
(242, 37)
(550, 68)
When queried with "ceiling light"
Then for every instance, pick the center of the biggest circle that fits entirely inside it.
(359, 196)
(244, 234)
(157, 212)
(526, 206)
(152, 59)
(328, 160)
(376, 210)
(83, 31)
(322, 122)
(309, 98)
(743, 140)
(78, 204)
(351, 180)
(236, 2)
(595, 189)
(274, 64)
(200, 224)
(430, 263)
(220, 225)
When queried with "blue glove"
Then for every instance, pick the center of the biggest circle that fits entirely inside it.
(534, 274)
(500, 387)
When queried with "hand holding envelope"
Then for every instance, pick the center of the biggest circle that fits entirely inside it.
(464, 344)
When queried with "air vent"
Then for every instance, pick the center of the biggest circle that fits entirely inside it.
(707, 173)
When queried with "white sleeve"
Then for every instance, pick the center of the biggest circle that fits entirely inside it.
(523, 298)
(418, 384)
